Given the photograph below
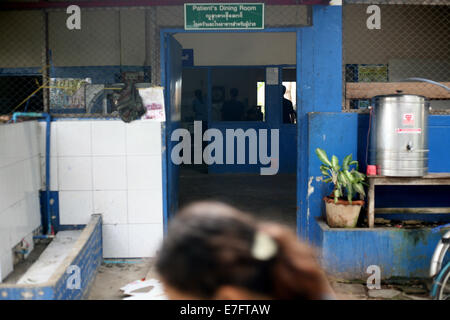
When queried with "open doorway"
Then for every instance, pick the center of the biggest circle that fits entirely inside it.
(234, 81)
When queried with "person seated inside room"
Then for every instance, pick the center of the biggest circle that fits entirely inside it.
(233, 109)
(254, 114)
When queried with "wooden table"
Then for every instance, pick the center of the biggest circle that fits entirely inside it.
(431, 179)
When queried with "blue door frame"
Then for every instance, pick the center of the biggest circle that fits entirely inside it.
(319, 89)
(164, 33)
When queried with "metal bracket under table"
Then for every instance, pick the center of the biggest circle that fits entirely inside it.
(432, 179)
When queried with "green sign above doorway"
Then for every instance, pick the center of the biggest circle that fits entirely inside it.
(223, 16)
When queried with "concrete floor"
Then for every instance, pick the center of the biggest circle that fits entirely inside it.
(266, 197)
(112, 276)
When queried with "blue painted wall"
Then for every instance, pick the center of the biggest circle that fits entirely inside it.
(88, 259)
(344, 133)
(287, 148)
(322, 124)
(319, 89)
(336, 133)
(346, 253)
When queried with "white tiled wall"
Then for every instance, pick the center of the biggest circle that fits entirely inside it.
(113, 168)
(20, 182)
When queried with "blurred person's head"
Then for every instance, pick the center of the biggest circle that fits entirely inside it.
(234, 93)
(213, 251)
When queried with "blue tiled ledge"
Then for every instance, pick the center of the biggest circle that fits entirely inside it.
(86, 254)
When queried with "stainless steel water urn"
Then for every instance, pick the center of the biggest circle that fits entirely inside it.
(399, 135)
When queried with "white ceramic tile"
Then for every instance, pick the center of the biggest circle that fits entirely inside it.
(145, 206)
(110, 173)
(144, 172)
(73, 138)
(112, 205)
(5, 191)
(108, 138)
(32, 212)
(28, 174)
(20, 141)
(36, 173)
(12, 181)
(11, 140)
(19, 185)
(145, 239)
(22, 222)
(144, 138)
(5, 230)
(53, 173)
(6, 264)
(17, 222)
(3, 145)
(28, 135)
(42, 129)
(15, 182)
(75, 173)
(75, 207)
(115, 241)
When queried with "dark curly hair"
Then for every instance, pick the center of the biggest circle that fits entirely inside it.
(209, 245)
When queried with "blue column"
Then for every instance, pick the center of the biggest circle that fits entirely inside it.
(319, 87)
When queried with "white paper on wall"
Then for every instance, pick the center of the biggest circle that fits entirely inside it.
(153, 101)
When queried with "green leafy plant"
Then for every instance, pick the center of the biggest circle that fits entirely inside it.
(347, 180)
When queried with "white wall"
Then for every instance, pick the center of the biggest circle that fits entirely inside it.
(19, 188)
(115, 169)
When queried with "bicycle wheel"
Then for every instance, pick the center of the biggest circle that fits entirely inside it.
(441, 286)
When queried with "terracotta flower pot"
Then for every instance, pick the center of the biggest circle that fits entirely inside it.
(342, 214)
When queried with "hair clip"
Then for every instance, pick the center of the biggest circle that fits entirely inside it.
(264, 246)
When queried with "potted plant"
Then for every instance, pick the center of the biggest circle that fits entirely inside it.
(342, 210)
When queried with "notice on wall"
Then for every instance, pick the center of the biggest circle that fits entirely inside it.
(153, 101)
(68, 93)
(223, 16)
(271, 76)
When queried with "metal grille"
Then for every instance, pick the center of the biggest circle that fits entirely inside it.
(21, 58)
(411, 41)
(46, 66)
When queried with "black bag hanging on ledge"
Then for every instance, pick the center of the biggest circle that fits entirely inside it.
(129, 104)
